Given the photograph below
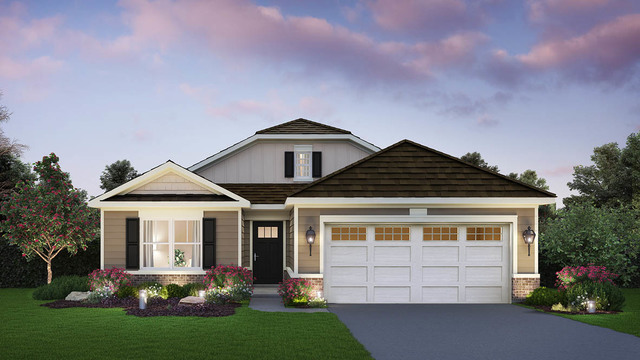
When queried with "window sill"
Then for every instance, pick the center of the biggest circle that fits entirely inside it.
(167, 272)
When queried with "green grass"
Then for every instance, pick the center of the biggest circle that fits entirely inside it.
(28, 330)
(628, 321)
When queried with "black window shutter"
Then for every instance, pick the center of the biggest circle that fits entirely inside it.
(208, 243)
(288, 164)
(317, 164)
(132, 244)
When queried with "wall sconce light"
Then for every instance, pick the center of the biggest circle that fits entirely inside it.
(142, 295)
(311, 238)
(528, 235)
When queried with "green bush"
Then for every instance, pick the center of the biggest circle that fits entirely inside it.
(191, 289)
(176, 291)
(154, 289)
(60, 287)
(607, 296)
(543, 296)
(127, 291)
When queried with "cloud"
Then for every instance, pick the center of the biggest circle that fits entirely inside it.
(12, 69)
(539, 11)
(487, 121)
(426, 16)
(560, 171)
(609, 51)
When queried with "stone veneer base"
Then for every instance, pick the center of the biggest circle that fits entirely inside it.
(522, 286)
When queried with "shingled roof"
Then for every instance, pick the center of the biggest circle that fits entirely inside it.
(302, 126)
(408, 169)
(264, 193)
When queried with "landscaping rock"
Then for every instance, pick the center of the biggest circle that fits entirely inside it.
(191, 300)
(78, 295)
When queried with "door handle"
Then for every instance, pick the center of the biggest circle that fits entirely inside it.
(255, 256)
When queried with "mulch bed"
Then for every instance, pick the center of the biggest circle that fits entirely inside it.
(155, 307)
(598, 312)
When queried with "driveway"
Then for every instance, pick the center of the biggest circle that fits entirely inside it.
(479, 332)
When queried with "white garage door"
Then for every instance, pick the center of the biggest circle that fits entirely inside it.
(417, 263)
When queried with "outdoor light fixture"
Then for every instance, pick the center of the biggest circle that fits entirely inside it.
(311, 238)
(529, 235)
(319, 294)
(201, 293)
(591, 306)
(142, 294)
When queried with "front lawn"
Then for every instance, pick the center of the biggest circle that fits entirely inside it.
(628, 321)
(28, 330)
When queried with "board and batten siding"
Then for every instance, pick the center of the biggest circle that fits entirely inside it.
(289, 242)
(526, 217)
(311, 217)
(171, 184)
(115, 223)
(263, 162)
(226, 236)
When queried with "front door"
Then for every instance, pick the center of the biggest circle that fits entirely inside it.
(267, 252)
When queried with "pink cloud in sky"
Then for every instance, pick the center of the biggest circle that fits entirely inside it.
(560, 171)
(425, 16)
(600, 53)
(542, 10)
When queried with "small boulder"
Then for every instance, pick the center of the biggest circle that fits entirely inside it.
(78, 295)
(191, 300)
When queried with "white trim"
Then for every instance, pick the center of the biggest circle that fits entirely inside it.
(166, 272)
(302, 137)
(291, 273)
(442, 201)
(525, 276)
(284, 245)
(295, 239)
(251, 243)
(213, 205)
(239, 237)
(268, 207)
(102, 239)
(310, 276)
(268, 216)
(166, 168)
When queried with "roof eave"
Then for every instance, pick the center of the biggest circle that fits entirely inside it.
(422, 201)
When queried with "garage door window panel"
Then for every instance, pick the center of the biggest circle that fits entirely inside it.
(484, 233)
(349, 233)
(439, 233)
(398, 233)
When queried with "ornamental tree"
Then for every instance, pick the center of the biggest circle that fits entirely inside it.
(49, 215)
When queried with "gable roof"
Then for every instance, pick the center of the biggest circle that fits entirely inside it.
(302, 126)
(122, 193)
(408, 169)
(264, 193)
(296, 130)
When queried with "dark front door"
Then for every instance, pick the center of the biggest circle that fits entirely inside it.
(267, 252)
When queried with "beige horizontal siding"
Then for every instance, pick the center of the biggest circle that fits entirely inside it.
(226, 236)
(115, 226)
(171, 184)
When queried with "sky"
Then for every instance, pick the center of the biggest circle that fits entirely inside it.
(533, 84)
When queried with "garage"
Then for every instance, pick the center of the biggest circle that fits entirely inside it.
(417, 262)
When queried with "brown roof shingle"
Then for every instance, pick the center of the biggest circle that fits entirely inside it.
(302, 126)
(264, 193)
(408, 169)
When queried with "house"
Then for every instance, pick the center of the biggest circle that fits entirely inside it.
(404, 224)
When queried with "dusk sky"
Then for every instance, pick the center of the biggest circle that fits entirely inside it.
(529, 84)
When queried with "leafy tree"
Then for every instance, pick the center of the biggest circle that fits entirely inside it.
(117, 174)
(476, 159)
(612, 180)
(8, 146)
(584, 234)
(530, 177)
(49, 215)
(12, 170)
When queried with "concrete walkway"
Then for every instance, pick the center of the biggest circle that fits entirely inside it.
(266, 298)
(479, 332)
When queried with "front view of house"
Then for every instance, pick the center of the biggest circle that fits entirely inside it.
(404, 224)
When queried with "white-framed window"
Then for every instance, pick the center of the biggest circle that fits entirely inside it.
(171, 244)
(302, 162)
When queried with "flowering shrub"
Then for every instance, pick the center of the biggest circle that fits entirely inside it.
(584, 283)
(154, 290)
(225, 284)
(107, 282)
(295, 291)
(571, 275)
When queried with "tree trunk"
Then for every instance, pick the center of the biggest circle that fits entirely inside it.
(49, 273)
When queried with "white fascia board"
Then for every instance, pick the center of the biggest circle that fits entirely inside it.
(404, 219)
(166, 168)
(268, 207)
(303, 137)
(430, 201)
(209, 205)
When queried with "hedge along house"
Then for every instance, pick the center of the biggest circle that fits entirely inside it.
(406, 224)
